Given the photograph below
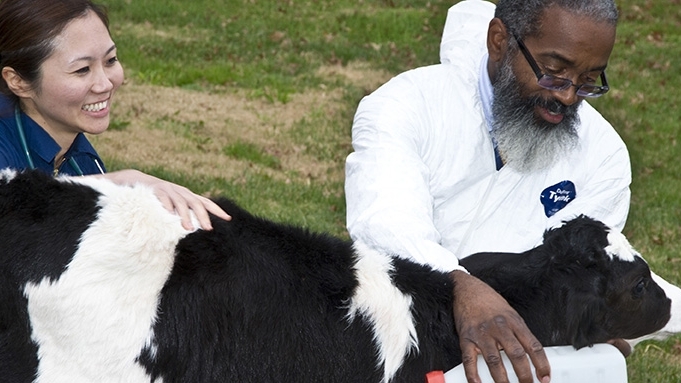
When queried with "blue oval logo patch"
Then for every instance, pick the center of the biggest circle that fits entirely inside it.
(556, 197)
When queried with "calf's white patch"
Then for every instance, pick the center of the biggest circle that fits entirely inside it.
(92, 322)
(620, 247)
(386, 308)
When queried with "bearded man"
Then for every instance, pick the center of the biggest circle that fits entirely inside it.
(487, 150)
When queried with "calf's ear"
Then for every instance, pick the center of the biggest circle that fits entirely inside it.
(585, 315)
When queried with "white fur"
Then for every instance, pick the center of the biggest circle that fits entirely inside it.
(7, 174)
(92, 322)
(674, 293)
(673, 327)
(620, 248)
(386, 308)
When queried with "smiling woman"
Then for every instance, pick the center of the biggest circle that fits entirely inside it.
(76, 84)
(60, 72)
(43, 90)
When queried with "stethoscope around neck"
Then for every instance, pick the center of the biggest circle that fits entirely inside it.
(24, 146)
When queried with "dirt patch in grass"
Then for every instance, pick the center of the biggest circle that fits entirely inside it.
(357, 73)
(187, 131)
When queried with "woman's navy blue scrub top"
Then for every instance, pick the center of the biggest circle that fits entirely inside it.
(41, 147)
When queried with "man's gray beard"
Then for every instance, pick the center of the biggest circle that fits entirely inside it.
(526, 142)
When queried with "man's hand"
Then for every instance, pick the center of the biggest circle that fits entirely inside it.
(486, 323)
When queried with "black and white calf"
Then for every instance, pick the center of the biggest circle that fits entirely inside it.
(101, 284)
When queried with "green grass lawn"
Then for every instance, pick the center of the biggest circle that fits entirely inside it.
(273, 49)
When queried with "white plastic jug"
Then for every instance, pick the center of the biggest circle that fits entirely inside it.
(602, 363)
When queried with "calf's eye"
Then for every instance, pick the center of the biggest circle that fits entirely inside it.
(640, 288)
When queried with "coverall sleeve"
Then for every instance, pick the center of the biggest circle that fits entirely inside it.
(389, 204)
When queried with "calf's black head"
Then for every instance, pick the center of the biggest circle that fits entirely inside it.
(588, 280)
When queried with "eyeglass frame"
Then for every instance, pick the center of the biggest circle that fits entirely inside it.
(603, 89)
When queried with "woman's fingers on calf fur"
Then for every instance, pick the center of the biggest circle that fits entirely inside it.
(215, 209)
(201, 206)
(181, 208)
(184, 202)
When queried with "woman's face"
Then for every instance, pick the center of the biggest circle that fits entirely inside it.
(77, 82)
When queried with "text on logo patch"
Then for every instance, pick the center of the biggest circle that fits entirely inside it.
(557, 197)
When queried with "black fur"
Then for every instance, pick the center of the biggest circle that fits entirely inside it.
(254, 300)
(585, 297)
(257, 301)
(40, 223)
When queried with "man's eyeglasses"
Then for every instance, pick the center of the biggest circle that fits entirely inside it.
(551, 82)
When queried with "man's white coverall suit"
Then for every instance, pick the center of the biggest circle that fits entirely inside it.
(422, 181)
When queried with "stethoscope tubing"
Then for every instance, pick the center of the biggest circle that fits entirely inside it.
(24, 146)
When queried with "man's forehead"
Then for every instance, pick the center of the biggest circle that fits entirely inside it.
(578, 40)
(561, 24)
